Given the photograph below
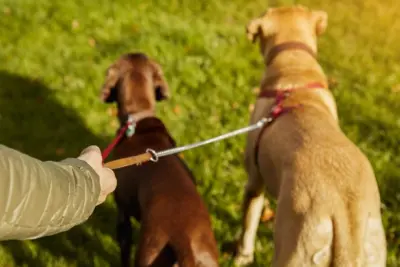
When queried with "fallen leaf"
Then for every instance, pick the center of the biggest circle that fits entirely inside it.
(135, 28)
(396, 88)
(230, 20)
(177, 110)
(256, 90)
(60, 151)
(332, 82)
(7, 10)
(75, 24)
(214, 118)
(92, 42)
(114, 123)
(112, 111)
(251, 107)
(267, 214)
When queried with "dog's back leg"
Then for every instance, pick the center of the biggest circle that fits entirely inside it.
(124, 237)
(252, 207)
(152, 248)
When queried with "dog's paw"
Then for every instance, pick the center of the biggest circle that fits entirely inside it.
(243, 259)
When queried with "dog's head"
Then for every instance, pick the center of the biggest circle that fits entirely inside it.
(283, 24)
(135, 82)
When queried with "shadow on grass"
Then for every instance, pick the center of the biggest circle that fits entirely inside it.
(32, 121)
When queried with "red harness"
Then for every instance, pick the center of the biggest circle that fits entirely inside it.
(278, 109)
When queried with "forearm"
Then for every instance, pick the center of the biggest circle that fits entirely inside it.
(43, 198)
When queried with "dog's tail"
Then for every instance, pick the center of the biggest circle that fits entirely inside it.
(358, 239)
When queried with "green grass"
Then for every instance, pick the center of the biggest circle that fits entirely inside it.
(50, 77)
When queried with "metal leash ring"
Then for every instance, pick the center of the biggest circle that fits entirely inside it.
(154, 156)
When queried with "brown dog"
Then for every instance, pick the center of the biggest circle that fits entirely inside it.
(328, 203)
(175, 224)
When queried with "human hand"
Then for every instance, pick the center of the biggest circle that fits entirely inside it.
(108, 181)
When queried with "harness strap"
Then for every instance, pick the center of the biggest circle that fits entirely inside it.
(128, 129)
(278, 109)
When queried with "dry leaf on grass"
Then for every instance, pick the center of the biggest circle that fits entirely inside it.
(75, 24)
(114, 123)
(332, 82)
(177, 110)
(135, 28)
(267, 214)
(112, 111)
(92, 42)
(256, 90)
(251, 107)
(396, 88)
(6, 10)
(214, 118)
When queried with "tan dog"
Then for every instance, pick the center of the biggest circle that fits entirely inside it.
(328, 203)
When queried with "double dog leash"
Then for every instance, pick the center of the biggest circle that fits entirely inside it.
(153, 156)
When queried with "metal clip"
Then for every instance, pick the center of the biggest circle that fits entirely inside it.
(154, 156)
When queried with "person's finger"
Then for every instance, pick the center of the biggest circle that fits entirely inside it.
(111, 180)
(91, 148)
(101, 200)
(109, 185)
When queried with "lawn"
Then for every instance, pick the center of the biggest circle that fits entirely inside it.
(54, 54)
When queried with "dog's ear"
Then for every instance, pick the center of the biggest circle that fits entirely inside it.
(258, 27)
(109, 90)
(160, 84)
(320, 19)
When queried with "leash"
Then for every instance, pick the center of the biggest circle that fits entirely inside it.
(151, 155)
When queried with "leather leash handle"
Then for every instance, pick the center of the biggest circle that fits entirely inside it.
(124, 162)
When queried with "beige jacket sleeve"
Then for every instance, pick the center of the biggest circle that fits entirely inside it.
(43, 198)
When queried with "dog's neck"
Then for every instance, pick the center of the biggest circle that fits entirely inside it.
(153, 125)
(285, 46)
(138, 116)
(294, 65)
(291, 64)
